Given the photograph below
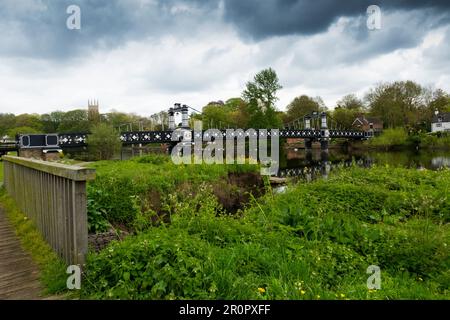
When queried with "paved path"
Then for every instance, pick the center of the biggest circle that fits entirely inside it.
(19, 275)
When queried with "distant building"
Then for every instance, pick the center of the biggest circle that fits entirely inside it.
(440, 122)
(368, 124)
(93, 111)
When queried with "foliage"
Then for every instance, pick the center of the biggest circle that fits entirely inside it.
(437, 140)
(74, 121)
(390, 138)
(315, 241)
(7, 122)
(123, 191)
(345, 117)
(260, 94)
(103, 142)
(302, 106)
(53, 270)
(405, 104)
(97, 221)
(223, 115)
(21, 130)
(351, 102)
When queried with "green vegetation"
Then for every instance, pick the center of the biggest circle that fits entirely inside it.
(438, 140)
(132, 192)
(53, 270)
(395, 138)
(390, 138)
(315, 241)
(1, 170)
(103, 142)
(21, 130)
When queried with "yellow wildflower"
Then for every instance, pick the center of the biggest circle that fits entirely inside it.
(342, 295)
(302, 291)
(261, 290)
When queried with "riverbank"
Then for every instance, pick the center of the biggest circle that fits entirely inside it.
(313, 241)
(398, 139)
(133, 194)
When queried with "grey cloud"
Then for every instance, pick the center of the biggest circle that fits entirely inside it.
(36, 28)
(261, 19)
(41, 25)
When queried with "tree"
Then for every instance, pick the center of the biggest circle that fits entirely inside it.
(398, 104)
(222, 115)
(74, 121)
(103, 142)
(302, 106)
(52, 121)
(351, 102)
(21, 130)
(260, 95)
(7, 122)
(29, 120)
(344, 117)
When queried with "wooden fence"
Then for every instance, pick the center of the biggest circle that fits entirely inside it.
(53, 196)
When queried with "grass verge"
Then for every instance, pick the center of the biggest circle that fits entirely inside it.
(53, 270)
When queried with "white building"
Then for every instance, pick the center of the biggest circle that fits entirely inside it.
(440, 122)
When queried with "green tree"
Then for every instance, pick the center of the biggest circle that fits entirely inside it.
(22, 130)
(74, 121)
(29, 120)
(398, 104)
(351, 102)
(344, 117)
(7, 122)
(260, 94)
(103, 142)
(52, 121)
(302, 106)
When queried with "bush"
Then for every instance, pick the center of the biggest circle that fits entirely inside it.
(315, 240)
(437, 140)
(103, 142)
(126, 190)
(390, 138)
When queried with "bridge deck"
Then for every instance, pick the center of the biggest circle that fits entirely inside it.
(19, 275)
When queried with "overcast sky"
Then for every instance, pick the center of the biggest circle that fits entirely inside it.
(144, 55)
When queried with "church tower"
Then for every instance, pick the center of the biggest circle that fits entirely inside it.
(93, 112)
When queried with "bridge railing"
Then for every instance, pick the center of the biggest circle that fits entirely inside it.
(53, 196)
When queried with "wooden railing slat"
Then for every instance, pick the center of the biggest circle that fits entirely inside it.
(54, 197)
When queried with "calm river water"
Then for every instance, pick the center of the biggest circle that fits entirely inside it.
(298, 162)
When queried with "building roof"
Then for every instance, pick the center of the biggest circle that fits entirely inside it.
(363, 120)
(441, 117)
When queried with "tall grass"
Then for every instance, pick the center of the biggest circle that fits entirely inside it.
(123, 190)
(390, 138)
(314, 241)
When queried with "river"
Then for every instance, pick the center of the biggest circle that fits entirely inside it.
(298, 162)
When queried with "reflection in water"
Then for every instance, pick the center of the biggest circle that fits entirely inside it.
(440, 162)
(314, 163)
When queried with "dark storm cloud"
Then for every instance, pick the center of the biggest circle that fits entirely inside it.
(37, 28)
(262, 19)
(104, 24)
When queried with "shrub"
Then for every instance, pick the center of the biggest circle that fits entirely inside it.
(103, 142)
(390, 138)
(123, 190)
